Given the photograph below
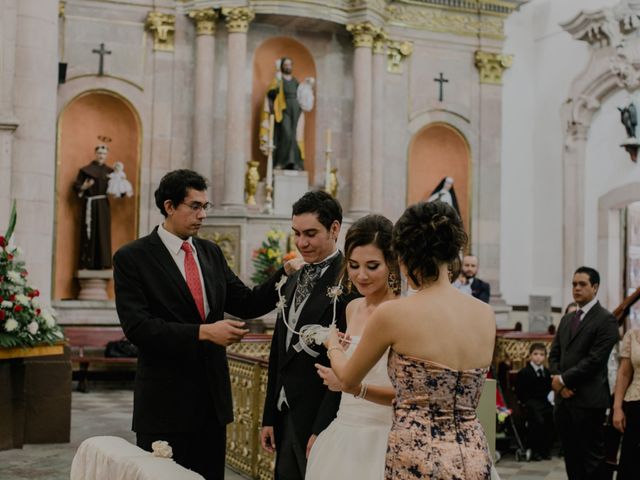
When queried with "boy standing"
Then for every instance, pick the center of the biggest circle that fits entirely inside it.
(532, 388)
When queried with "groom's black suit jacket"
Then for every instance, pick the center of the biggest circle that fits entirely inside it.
(311, 404)
(581, 359)
(179, 379)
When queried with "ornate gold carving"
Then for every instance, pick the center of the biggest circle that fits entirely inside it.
(238, 19)
(515, 351)
(333, 184)
(226, 241)
(162, 25)
(251, 179)
(61, 5)
(205, 20)
(396, 52)
(363, 33)
(249, 388)
(380, 41)
(491, 66)
(427, 18)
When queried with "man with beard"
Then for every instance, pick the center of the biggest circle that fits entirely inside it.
(469, 283)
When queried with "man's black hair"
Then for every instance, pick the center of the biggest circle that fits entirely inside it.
(326, 207)
(174, 185)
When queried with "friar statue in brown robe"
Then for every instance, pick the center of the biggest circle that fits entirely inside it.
(95, 227)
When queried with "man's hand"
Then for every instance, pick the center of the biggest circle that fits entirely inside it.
(312, 440)
(223, 332)
(556, 384)
(268, 439)
(88, 183)
(566, 392)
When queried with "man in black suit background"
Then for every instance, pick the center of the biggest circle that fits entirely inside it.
(578, 362)
(469, 283)
(297, 405)
(172, 290)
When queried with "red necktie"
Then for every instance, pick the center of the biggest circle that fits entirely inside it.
(193, 278)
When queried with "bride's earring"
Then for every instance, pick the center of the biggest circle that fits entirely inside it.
(394, 283)
(349, 286)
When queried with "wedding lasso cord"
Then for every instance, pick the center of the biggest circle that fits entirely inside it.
(308, 334)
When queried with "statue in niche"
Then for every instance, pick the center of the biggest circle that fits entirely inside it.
(93, 183)
(287, 100)
(445, 192)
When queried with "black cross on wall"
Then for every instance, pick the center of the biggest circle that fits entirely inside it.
(102, 52)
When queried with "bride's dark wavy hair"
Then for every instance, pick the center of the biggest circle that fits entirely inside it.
(371, 230)
(427, 235)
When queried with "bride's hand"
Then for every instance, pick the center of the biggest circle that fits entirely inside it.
(345, 339)
(329, 378)
(333, 340)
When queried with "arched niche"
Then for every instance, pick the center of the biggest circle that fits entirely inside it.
(86, 117)
(264, 71)
(436, 151)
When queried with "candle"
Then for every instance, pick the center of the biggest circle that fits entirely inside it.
(270, 157)
(328, 139)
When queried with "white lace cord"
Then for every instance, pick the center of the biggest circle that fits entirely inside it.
(314, 333)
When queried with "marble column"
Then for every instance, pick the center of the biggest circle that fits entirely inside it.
(8, 121)
(377, 130)
(33, 155)
(487, 229)
(363, 34)
(205, 20)
(237, 133)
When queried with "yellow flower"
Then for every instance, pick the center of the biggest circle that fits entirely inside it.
(272, 253)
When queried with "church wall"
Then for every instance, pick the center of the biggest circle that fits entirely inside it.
(555, 60)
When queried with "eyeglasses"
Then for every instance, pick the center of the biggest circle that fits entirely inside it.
(197, 206)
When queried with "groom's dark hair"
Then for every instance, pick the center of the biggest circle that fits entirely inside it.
(327, 208)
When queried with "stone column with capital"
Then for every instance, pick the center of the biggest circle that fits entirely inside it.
(377, 130)
(486, 241)
(363, 35)
(237, 133)
(203, 105)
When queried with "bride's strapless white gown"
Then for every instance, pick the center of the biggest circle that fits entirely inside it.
(354, 445)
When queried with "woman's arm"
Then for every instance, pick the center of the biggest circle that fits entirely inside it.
(375, 340)
(374, 393)
(625, 374)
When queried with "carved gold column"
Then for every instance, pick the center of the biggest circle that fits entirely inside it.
(396, 53)
(205, 21)
(491, 66)
(237, 133)
(363, 35)
(162, 26)
(377, 123)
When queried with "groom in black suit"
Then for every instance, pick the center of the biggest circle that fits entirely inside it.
(297, 405)
(578, 360)
(172, 290)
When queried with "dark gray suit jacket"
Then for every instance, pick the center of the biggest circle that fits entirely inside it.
(582, 359)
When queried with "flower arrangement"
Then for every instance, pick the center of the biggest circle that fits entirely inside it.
(24, 322)
(270, 256)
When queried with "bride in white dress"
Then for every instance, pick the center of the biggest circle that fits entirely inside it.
(354, 445)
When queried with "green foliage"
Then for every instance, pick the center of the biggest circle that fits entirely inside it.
(269, 257)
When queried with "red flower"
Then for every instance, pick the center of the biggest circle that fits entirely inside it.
(2, 314)
(1, 297)
(38, 311)
(24, 274)
(18, 308)
(35, 293)
(12, 298)
(3, 242)
(9, 256)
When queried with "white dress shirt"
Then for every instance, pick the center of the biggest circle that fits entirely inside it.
(174, 245)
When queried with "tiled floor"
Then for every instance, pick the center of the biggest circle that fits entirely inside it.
(108, 412)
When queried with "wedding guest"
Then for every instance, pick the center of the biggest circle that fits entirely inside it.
(626, 405)
(441, 345)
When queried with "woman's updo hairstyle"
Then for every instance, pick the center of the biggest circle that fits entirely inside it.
(426, 236)
(372, 230)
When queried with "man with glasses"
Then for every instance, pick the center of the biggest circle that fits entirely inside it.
(172, 290)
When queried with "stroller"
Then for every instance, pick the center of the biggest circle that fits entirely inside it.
(507, 437)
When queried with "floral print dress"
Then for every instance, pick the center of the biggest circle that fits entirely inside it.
(435, 432)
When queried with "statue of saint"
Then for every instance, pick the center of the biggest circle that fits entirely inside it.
(95, 227)
(445, 192)
(287, 100)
